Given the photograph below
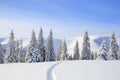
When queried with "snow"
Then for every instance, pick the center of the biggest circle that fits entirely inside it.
(50, 75)
(65, 70)
(24, 71)
(88, 70)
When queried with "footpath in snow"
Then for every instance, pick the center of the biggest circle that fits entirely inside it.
(50, 75)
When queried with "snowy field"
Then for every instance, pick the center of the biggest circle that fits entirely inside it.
(88, 70)
(24, 71)
(66, 70)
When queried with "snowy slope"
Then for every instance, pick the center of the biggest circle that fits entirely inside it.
(66, 70)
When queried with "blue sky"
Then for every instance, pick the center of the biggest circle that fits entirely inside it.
(67, 18)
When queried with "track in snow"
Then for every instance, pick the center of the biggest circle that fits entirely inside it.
(50, 74)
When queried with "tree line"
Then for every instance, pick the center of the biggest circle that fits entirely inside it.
(37, 51)
(112, 53)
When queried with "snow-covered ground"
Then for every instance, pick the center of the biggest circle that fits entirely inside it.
(64, 70)
(25, 71)
(88, 70)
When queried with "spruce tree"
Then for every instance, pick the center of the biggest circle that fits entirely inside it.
(32, 53)
(21, 52)
(1, 54)
(102, 53)
(76, 55)
(41, 46)
(10, 53)
(95, 55)
(92, 55)
(86, 51)
(113, 48)
(50, 54)
(17, 50)
(70, 57)
(64, 53)
(59, 53)
(119, 55)
(20, 55)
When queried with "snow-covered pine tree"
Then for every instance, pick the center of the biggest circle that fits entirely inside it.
(113, 48)
(86, 51)
(20, 55)
(119, 55)
(92, 54)
(70, 57)
(41, 46)
(17, 50)
(21, 52)
(95, 55)
(76, 55)
(50, 54)
(32, 53)
(102, 53)
(59, 53)
(10, 52)
(1, 54)
(64, 53)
